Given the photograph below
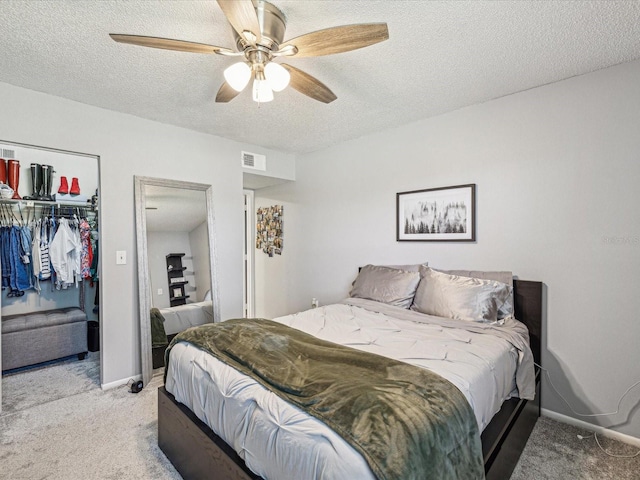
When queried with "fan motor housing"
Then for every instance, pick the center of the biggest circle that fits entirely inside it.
(272, 27)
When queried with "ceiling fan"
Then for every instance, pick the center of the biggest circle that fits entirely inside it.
(258, 28)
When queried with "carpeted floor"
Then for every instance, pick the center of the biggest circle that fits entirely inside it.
(57, 423)
(554, 452)
(40, 385)
(76, 430)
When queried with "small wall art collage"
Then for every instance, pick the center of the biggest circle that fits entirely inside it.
(269, 230)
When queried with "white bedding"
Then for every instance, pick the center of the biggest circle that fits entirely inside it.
(181, 317)
(279, 441)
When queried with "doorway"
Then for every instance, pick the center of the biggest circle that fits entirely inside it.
(56, 187)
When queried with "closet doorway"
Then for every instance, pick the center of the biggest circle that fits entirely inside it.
(49, 303)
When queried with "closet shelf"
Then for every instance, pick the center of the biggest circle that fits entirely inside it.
(32, 203)
(182, 297)
(176, 269)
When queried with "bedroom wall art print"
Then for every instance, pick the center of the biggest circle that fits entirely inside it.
(269, 229)
(445, 214)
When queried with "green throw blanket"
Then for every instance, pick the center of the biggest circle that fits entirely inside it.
(407, 422)
(158, 334)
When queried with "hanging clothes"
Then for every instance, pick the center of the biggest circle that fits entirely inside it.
(5, 255)
(65, 251)
(45, 261)
(20, 278)
(51, 247)
(87, 251)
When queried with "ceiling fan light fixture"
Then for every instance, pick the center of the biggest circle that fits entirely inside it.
(238, 75)
(277, 76)
(262, 92)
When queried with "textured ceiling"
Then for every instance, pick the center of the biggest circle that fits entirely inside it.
(174, 209)
(440, 56)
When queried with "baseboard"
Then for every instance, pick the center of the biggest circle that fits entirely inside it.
(117, 383)
(622, 437)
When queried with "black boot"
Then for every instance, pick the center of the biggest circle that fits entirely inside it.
(47, 179)
(36, 182)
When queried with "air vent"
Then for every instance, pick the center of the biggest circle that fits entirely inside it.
(7, 154)
(254, 161)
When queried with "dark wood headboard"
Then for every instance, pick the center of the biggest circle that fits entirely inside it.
(527, 297)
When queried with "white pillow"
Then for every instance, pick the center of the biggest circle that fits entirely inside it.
(457, 297)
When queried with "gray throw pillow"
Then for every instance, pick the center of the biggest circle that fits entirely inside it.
(506, 309)
(386, 285)
(458, 297)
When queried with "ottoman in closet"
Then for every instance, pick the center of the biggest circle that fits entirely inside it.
(37, 337)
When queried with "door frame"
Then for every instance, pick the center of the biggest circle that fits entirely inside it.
(248, 266)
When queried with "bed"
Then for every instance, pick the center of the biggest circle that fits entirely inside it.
(173, 320)
(181, 317)
(370, 326)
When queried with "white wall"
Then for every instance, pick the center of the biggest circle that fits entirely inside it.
(557, 170)
(271, 294)
(130, 146)
(159, 245)
(199, 241)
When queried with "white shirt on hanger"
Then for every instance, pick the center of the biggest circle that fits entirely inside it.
(64, 252)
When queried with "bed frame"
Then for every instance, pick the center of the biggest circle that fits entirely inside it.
(198, 453)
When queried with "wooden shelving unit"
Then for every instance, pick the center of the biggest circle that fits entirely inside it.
(175, 277)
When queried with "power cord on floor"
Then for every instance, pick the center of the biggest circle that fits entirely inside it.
(595, 435)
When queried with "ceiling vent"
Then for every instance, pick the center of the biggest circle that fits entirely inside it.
(254, 161)
(7, 154)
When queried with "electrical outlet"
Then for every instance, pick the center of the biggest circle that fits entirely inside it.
(159, 291)
(121, 257)
(314, 303)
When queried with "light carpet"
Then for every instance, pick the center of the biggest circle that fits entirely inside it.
(86, 434)
(51, 382)
(58, 424)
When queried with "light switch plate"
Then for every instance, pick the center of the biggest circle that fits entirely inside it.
(121, 257)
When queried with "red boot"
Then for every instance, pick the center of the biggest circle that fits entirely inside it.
(64, 186)
(14, 177)
(75, 187)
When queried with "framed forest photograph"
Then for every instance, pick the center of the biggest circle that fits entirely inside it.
(445, 214)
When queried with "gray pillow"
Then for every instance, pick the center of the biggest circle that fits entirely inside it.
(506, 309)
(386, 285)
(415, 267)
(459, 297)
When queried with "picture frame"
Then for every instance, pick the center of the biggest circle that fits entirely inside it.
(444, 214)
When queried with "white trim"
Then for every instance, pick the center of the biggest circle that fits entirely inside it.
(122, 381)
(249, 266)
(622, 437)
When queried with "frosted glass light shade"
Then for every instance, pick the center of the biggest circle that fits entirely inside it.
(262, 91)
(238, 76)
(277, 76)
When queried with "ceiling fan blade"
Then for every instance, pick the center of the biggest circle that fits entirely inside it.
(308, 85)
(338, 39)
(243, 18)
(226, 93)
(169, 44)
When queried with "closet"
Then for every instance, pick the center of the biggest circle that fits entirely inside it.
(49, 234)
